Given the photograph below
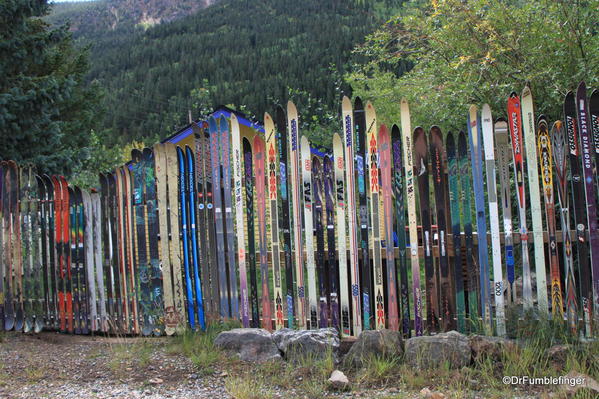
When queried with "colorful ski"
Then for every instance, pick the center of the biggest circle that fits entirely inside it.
(294, 144)
(358, 123)
(558, 145)
(586, 145)
(374, 182)
(240, 228)
(530, 143)
(490, 169)
(474, 133)
(280, 122)
(271, 159)
(503, 161)
(545, 157)
(447, 297)
(515, 125)
(385, 163)
(341, 235)
(421, 170)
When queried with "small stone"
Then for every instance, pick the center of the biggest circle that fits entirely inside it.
(223, 374)
(193, 376)
(156, 381)
(338, 380)
(428, 394)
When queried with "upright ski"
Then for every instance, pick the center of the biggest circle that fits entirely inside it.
(309, 230)
(317, 180)
(333, 271)
(249, 209)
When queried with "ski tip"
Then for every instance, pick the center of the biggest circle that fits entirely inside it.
(346, 104)
(358, 105)
(582, 86)
(291, 110)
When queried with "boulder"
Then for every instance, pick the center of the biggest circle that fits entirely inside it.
(338, 380)
(254, 345)
(492, 347)
(370, 343)
(433, 351)
(297, 344)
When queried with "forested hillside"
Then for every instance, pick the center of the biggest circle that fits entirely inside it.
(236, 52)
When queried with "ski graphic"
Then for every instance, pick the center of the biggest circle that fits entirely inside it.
(408, 156)
(184, 214)
(240, 229)
(558, 145)
(579, 205)
(317, 186)
(586, 144)
(4, 250)
(218, 218)
(359, 140)
(515, 126)
(74, 277)
(503, 161)
(249, 209)
(198, 304)
(89, 259)
(532, 176)
(83, 293)
(474, 133)
(545, 158)
(225, 159)
(594, 116)
(174, 238)
(331, 265)
(280, 122)
(309, 230)
(490, 169)
(421, 171)
(400, 219)
(101, 283)
(294, 145)
(259, 156)
(374, 182)
(385, 158)
(339, 163)
(271, 159)
(455, 198)
(447, 297)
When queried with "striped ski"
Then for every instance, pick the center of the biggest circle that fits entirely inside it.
(331, 266)
(515, 125)
(317, 185)
(385, 158)
(341, 234)
(374, 183)
(294, 146)
(489, 146)
(359, 140)
(272, 183)
(545, 150)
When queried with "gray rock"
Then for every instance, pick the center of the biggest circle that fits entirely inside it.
(433, 351)
(493, 347)
(254, 345)
(338, 380)
(383, 343)
(298, 344)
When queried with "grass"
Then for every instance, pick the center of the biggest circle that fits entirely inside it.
(124, 355)
(246, 388)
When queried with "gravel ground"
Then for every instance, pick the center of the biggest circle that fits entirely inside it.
(52, 365)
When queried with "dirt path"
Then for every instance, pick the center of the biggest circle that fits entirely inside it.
(52, 365)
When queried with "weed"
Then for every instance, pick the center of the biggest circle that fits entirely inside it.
(124, 354)
(246, 388)
(378, 370)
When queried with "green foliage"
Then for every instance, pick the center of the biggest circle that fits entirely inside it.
(46, 110)
(236, 52)
(476, 51)
(95, 158)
